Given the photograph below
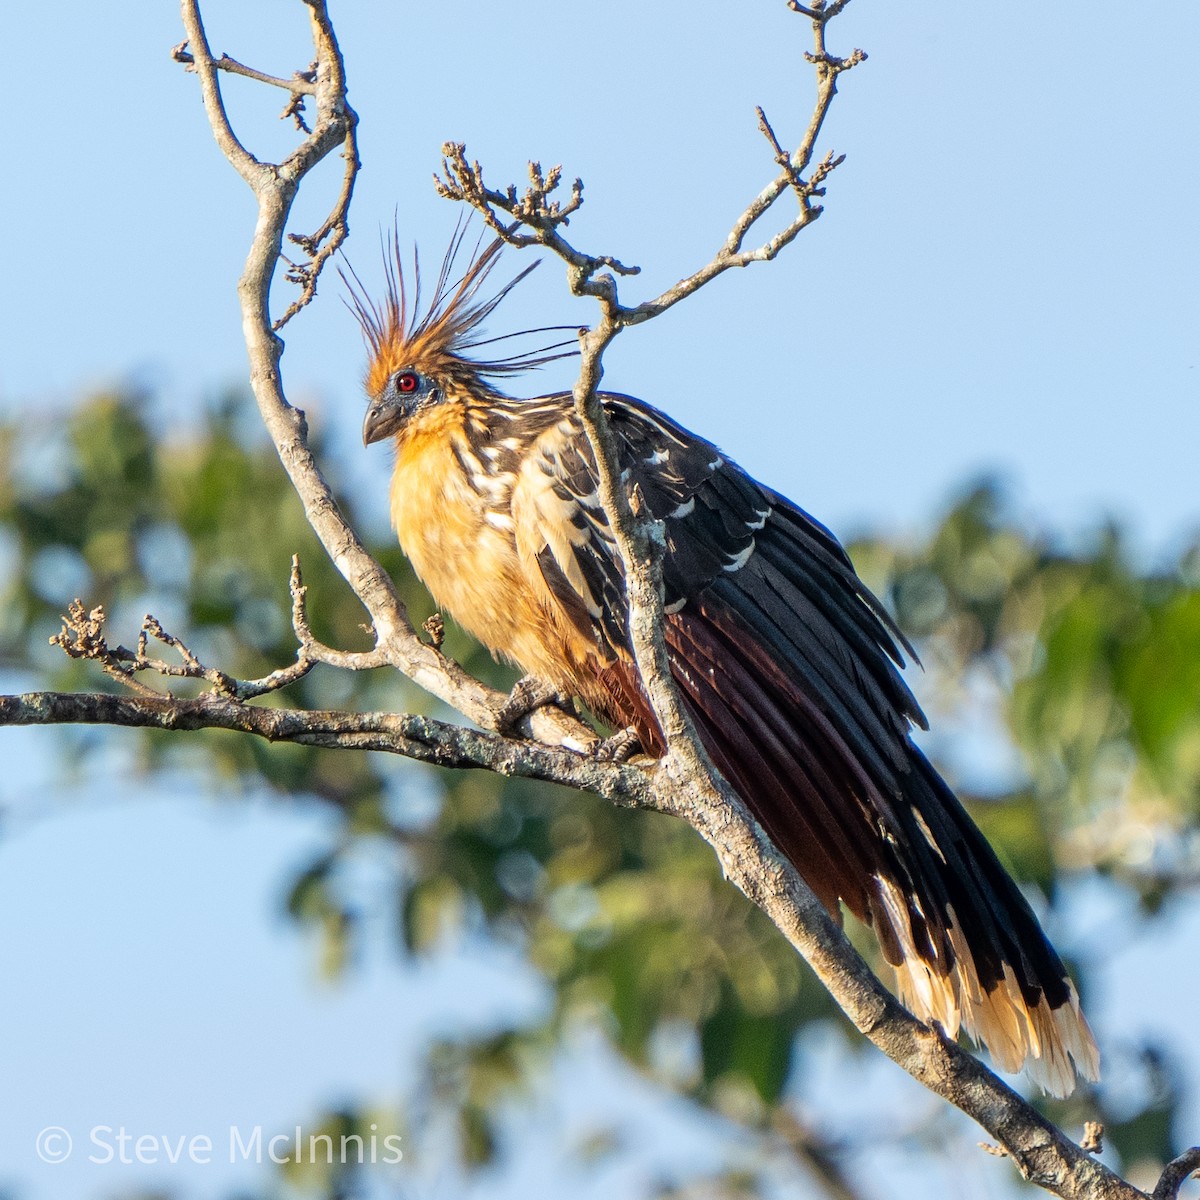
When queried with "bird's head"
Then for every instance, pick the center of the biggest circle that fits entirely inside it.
(420, 356)
(399, 397)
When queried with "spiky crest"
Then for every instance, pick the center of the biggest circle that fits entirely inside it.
(437, 339)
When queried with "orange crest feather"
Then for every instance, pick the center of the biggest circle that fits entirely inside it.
(437, 339)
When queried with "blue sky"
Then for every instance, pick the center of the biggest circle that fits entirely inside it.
(1004, 280)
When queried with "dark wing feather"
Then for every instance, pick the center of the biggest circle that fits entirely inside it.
(789, 666)
(589, 585)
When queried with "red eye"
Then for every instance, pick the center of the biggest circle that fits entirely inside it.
(407, 381)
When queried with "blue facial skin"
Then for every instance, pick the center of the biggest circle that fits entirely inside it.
(406, 394)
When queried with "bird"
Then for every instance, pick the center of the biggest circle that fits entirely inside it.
(788, 665)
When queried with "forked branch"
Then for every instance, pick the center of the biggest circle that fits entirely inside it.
(275, 186)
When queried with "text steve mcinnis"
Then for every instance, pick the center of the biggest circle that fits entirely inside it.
(108, 1144)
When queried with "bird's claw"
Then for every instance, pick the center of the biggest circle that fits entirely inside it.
(530, 693)
(618, 748)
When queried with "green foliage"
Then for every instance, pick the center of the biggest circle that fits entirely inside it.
(1096, 664)
(333, 1154)
(1099, 661)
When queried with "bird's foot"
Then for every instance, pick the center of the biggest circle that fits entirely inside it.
(618, 748)
(529, 693)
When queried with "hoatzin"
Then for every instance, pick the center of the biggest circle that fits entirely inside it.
(785, 660)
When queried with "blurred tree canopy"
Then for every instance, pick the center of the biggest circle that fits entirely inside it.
(1074, 667)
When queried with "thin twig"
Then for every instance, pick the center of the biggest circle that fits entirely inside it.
(314, 651)
(82, 636)
(782, 158)
(321, 245)
(462, 180)
(1177, 1172)
(819, 13)
(203, 64)
(300, 84)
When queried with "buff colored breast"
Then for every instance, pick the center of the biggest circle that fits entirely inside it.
(461, 544)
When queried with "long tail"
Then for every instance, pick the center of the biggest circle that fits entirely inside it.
(789, 668)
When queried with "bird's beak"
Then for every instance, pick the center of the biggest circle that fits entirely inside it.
(383, 418)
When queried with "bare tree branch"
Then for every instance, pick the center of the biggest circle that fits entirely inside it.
(413, 736)
(274, 187)
(300, 84)
(201, 61)
(543, 217)
(1178, 1171)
